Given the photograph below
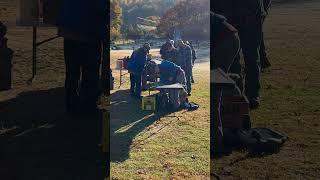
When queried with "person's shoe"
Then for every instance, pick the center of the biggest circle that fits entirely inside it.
(192, 80)
(189, 94)
(254, 103)
(265, 63)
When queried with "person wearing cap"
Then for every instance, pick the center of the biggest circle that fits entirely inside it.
(165, 46)
(170, 73)
(168, 51)
(184, 60)
(136, 66)
(83, 25)
(194, 57)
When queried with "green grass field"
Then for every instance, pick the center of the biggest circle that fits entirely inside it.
(290, 98)
(146, 147)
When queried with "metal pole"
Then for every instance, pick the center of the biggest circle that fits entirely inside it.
(34, 52)
(120, 77)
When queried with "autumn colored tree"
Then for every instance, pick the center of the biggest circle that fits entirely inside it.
(134, 32)
(192, 17)
(115, 19)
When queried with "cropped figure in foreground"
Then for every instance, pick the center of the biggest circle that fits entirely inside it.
(226, 45)
(83, 34)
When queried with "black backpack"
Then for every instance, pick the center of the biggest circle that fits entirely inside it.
(261, 140)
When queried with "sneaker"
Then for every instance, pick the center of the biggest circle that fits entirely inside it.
(254, 103)
(189, 94)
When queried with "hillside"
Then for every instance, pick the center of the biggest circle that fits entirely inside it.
(143, 8)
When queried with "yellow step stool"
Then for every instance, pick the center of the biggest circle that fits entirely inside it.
(149, 103)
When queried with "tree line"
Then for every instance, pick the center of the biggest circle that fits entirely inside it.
(191, 17)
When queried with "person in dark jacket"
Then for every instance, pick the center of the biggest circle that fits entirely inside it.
(136, 66)
(246, 18)
(185, 62)
(164, 47)
(194, 57)
(83, 25)
(168, 51)
(226, 45)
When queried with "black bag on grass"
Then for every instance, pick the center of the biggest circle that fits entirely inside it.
(261, 140)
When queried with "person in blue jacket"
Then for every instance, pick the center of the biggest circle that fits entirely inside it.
(170, 73)
(83, 25)
(136, 66)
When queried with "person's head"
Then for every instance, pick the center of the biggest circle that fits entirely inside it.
(187, 43)
(170, 47)
(180, 43)
(146, 47)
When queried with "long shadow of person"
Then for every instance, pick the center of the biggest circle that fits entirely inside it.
(127, 121)
(49, 144)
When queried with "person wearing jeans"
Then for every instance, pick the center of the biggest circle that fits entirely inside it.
(136, 66)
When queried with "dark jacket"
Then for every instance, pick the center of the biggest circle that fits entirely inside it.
(164, 48)
(85, 18)
(137, 61)
(170, 55)
(194, 55)
(185, 59)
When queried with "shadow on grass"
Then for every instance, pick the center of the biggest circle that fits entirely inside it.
(48, 143)
(127, 121)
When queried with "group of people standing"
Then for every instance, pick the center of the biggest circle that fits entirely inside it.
(182, 54)
(179, 53)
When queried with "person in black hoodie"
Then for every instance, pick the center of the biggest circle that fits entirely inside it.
(83, 25)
